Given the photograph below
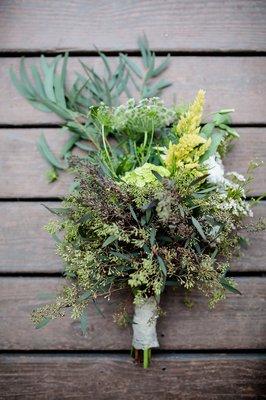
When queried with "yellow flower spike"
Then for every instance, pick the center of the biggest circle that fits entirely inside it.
(191, 146)
(187, 152)
(189, 123)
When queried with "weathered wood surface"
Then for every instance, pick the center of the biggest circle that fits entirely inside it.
(230, 82)
(23, 170)
(26, 247)
(236, 81)
(236, 323)
(170, 25)
(24, 244)
(115, 377)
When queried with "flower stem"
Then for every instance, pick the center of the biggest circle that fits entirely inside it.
(149, 356)
(141, 356)
(146, 360)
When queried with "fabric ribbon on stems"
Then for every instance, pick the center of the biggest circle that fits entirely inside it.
(144, 330)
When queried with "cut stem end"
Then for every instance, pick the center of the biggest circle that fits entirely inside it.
(141, 356)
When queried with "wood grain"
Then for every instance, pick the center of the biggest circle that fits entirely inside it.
(102, 377)
(236, 323)
(26, 247)
(24, 244)
(23, 171)
(230, 82)
(23, 168)
(170, 25)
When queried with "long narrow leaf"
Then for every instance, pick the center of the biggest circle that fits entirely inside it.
(198, 227)
(69, 145)
(38, 81)
(106, 64)
(133, 214)
(225, 283)
(152, 236)
(46, 152)
(162, 67)
(145, 50)
(43, 322)
(21, 88)
(132, 65)
(216, 139)
(120, 255)
(162, 265)
(84, 322)
(109, 240)
(58, 210)
(25, 78)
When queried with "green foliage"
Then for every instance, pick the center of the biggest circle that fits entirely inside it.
(115, 237)
(45, 87)
(221, 132)
(148, 223)
(144, 80)
(130, 135)
(84, 322)
(48, 155)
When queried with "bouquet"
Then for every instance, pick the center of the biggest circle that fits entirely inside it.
(152, 207)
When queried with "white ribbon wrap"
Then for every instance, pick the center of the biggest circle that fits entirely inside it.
(144, 325)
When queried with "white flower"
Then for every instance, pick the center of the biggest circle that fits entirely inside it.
(237, 176)
(237, 207)
(215, 169)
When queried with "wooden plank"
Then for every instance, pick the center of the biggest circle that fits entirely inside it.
(230, 82)
(236, 323)
(23, 171)
(26, 247)
(102, 377)
(171, 25)
(24, 244)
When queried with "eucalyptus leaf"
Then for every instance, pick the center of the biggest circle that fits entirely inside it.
(162, 67)
(132, 65)
(121, 255)
(133, 213)
(47, 153)
(85, 218)
(162, 265)
(109, 240)
(84, 322)
(216, 139)
(227, 285)
(43, 323)
(43, 84)
(157, 176)
(58, 210)
(98, 308)
(152, 236)
(198, 227)
(69, 145)
(151, 205)
(85, 296)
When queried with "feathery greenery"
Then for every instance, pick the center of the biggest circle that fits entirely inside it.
(175, 222)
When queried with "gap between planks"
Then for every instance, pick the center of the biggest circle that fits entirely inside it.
(134, 53)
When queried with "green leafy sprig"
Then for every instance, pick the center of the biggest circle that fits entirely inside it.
(45, 87)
